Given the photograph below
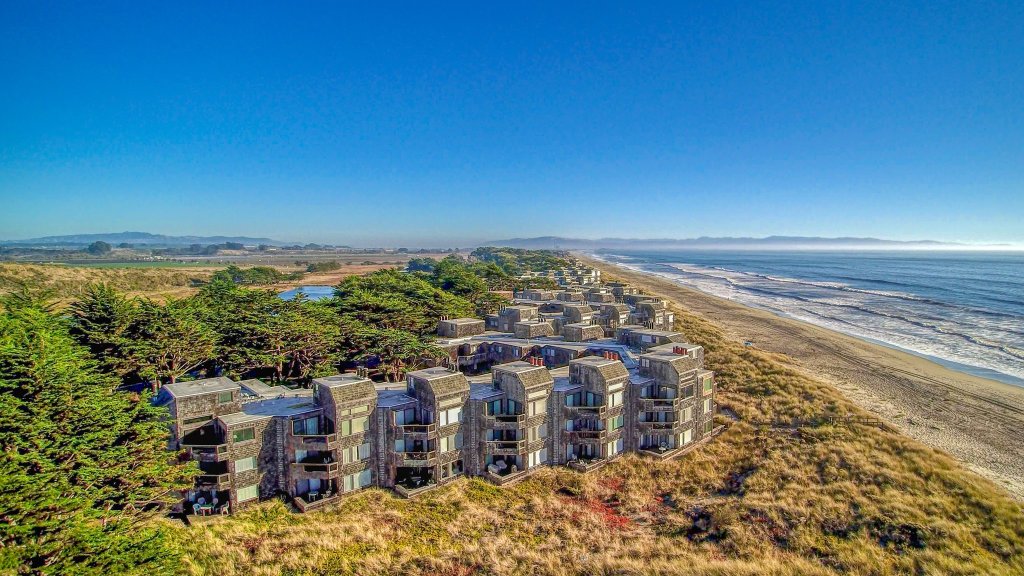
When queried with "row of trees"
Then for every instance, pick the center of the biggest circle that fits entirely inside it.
(82, 463)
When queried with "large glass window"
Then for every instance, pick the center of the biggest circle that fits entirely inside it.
(245, 464)
(306, 426)
(248, 493)
(451, 416)
(243, 435)
(224, 397)
(708, 385)
(354, 426)
(688, 391)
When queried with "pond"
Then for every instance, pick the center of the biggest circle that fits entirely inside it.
(310, 292)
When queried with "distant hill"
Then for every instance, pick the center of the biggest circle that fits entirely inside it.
(768, 243)
(138, 239)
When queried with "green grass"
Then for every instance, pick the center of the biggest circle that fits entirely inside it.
(817, 500)
(142, 264)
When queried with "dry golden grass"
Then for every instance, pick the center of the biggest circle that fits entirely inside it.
(815, 500)
(67, 282)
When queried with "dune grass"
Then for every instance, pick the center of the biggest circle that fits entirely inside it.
(66, 282)
(854, 499)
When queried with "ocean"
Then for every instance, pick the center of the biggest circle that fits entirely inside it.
(962, 309)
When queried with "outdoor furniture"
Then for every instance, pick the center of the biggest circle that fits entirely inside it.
(205, 509)
(224, 509)
(195, 508)
(314, 495)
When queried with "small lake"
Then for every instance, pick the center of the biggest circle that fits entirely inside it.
(310, 292)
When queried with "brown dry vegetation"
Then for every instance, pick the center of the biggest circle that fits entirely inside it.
(755, 500)
(67, 282)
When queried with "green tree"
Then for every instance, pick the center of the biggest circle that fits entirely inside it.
(171, 340)
(397, 351)
(104, 320)
(393, 299)
(98, 248)
(80, 461)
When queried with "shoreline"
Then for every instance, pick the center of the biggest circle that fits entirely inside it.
(979, 421)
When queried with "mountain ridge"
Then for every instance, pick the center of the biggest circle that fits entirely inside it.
(137, 238)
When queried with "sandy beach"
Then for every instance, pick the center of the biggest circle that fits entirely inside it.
(977, 420)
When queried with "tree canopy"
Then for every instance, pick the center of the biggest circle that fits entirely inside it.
(81, 460)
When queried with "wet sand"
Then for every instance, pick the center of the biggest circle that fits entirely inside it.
(977, 420)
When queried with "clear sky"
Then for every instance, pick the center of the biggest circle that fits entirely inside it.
(429, 123)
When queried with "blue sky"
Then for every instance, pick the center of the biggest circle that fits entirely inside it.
(440, 123)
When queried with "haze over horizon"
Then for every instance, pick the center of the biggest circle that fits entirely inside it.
(453, 126)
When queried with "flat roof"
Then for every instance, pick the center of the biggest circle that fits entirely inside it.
(462, 320)
(433, 373)
(197, 387)
(387, 398)
(595, 360)
(284, 406)
(483, 392)
(517, 367)
(340, 380)
(562, 384)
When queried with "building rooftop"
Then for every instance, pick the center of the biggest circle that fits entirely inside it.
(462, 321)
(284, 406)
(197, 387)
(339, 380)
(254, 388)
(483, 392)
(433, 373)
(390, 398)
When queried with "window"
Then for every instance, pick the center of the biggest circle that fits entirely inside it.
(687, 414)
(494, 408)
(687, 436)
(197, 419)
(306, 426)
(248, 493)
(708, 385)
(615, 423)
(354, 426)
(356, 453)
(645, 362)
(539, 457)
(615, 399)
(688, 391)
(243, 435)
(449, 443)
(224, 397)
(708, 426)
(451, 416)
(354, 410)
(538, 407)
(707, 406)
(245, 464)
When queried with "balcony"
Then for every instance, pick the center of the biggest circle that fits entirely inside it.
(505, 447)
(428, 458)
(506, 421)
(207, 453)
(213, 481)
(660, 404)
(508, 477)
(587, 464)
(320, 442)
(659, 427)
(407, 491)
(601, 411)
(308, 502)
(322, 470)
(417, 428)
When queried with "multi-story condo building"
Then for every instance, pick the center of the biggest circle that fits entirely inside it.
(579, 399)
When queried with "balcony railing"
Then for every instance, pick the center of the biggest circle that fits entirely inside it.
(316, 469)
(207, 453)
(417, 428)
(213, 479)
(587, 464)
(506, 447)
(312, 503)
(506, 421)
(315, 441)
(660, 404)
(417, 458)
(600, 410)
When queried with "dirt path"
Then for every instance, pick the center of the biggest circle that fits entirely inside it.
(979, 421)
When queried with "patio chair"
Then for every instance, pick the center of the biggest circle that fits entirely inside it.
(224, 509)
(195, 508)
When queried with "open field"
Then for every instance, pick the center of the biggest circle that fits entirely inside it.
(163, 279)
(977, 420)
(757, 499)
(65, 282)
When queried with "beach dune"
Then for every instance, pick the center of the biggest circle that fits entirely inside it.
(977, 420)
